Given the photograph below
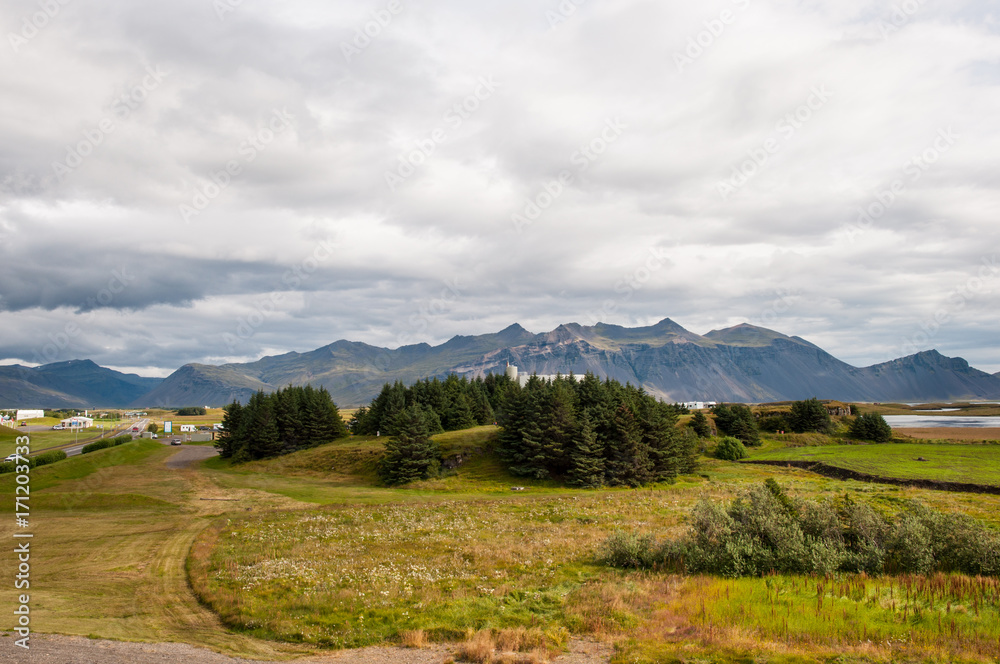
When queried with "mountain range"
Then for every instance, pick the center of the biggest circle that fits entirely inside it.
(742, 363)
(72, 384)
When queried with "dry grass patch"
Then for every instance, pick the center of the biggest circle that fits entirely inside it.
(507, 646)
(414, 638)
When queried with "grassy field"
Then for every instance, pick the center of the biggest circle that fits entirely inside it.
(977, 464)
(308, 549)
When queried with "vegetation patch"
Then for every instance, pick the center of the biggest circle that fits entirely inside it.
(360, 575)
(969, 464)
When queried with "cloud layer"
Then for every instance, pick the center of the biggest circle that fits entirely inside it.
(199, 181)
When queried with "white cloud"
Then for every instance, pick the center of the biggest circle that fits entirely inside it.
(783, 233)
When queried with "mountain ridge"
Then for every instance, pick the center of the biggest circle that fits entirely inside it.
(739, 363)
(70, 384)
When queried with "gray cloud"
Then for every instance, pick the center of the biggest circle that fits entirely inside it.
(303, 242)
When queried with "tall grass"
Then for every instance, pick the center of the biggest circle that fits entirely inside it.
(953, 614)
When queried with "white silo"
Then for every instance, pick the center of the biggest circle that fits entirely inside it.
(511, 372)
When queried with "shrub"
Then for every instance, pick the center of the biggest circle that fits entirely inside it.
(627, 551)
(106, 443)
(773, 423)
(764, 531)
(730, 449)
(871, 426)
(46, 458)
(41, 460)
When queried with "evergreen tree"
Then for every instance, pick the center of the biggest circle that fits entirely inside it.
(228, 441)
(871, 426)
(699, 424)
(628, 460)
(586, 459)
(737, 420)
(410, 455)
(265, 440)
(809, 415)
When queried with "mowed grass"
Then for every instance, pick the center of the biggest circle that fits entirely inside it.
(976, 464)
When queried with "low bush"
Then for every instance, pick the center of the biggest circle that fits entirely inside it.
(106, 443)
(46, 458)
(730, 449)
(764, 531)
(41, 460)
(627, 551)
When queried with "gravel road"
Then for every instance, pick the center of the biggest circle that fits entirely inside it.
(54, 649)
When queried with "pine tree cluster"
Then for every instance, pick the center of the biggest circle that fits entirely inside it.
(591, 433)
(447, 405)
(291, 419)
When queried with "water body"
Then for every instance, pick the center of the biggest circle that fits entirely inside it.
(931, 422)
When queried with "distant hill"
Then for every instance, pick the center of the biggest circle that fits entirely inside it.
(741, 363)
(73, 384)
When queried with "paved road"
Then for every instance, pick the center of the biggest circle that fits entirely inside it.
(75, 449)
(188, 455)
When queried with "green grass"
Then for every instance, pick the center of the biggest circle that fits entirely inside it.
(792, 618)
(309, 549)
(79, 467)
(977, 464)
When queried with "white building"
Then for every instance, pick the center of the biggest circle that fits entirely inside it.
(188, 428)
(29, 414)
(698, 405)
(78, 422)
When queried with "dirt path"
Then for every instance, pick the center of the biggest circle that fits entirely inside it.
(189, 455)
(54, 649)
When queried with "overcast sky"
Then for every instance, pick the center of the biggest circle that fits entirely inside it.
(401, 172)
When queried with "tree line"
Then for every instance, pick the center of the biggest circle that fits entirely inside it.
(446, 405)
(592, 433)
(281, 422)
(810, 415)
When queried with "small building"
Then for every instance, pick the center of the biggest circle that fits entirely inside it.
(188, 428)
(29, 415)
(78, 422)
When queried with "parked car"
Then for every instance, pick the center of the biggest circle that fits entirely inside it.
(175, 442)
(58, 427)
(155, 436)
(11, 457)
